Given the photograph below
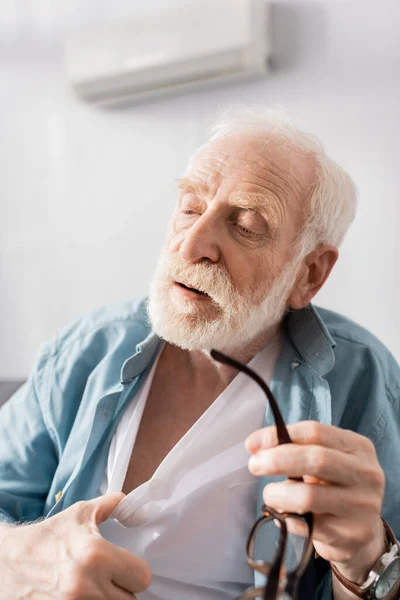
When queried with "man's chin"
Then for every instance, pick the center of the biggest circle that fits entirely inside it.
(191, 327)
(192, 324)
(184, 338)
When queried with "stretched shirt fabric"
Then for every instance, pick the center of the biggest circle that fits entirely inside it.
(189, 520)
(56, 431)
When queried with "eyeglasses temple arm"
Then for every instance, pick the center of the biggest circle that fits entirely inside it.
(283, 434)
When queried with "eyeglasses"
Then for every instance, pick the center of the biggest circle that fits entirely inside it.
(289, 533)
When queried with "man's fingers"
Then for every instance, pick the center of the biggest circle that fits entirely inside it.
(312, 432)
(99, 509)
(294, 460)
(114, 592)
(130, 572)
(298, 497)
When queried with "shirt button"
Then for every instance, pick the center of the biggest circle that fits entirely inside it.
(58, 495)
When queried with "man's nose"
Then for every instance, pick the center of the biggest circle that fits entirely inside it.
(200, 242)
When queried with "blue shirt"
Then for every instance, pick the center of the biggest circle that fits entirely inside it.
(56, 430)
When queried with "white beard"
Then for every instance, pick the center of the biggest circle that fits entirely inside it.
(227, 320)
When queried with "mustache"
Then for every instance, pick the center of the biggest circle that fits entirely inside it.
(211, 279)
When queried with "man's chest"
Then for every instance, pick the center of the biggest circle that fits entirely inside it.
(171, 410)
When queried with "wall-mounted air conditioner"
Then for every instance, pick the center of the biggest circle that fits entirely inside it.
(204, 41)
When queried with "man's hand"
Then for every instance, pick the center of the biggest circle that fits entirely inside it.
(66, 557)
(343, 488)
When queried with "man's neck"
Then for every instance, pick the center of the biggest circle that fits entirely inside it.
(201, 370)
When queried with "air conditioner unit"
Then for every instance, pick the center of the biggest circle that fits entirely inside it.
(204, 41)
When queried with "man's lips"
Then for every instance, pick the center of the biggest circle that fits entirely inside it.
(185, 286)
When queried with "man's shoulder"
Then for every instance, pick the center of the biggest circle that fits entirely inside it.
(120, 323)
(356, 346)
(344, 328)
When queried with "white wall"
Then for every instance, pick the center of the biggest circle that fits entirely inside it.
(85, 194)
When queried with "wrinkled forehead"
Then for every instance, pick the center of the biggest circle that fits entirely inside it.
(265, 160)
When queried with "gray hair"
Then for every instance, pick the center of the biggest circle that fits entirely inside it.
(333, 200)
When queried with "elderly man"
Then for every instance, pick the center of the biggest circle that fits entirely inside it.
(140, 463)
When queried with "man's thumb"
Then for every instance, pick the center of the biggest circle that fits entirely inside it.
(104, 505)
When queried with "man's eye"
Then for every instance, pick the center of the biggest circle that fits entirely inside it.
(246, 231)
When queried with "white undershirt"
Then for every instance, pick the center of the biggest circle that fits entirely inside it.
(191, 520)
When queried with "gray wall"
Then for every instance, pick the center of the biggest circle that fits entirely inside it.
(86, 193)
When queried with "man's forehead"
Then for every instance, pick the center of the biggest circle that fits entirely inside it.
(222, 151)
(258, 154)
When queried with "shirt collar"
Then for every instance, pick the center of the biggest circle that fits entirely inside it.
(305, 327)
(311, 338)
(145, 351)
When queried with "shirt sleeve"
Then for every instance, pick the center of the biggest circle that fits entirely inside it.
(316, 582)
(28, 456)
(387, 446)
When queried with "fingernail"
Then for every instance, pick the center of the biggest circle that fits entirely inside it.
(254, 464)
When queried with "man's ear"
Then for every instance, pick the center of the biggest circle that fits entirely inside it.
(313, 273)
